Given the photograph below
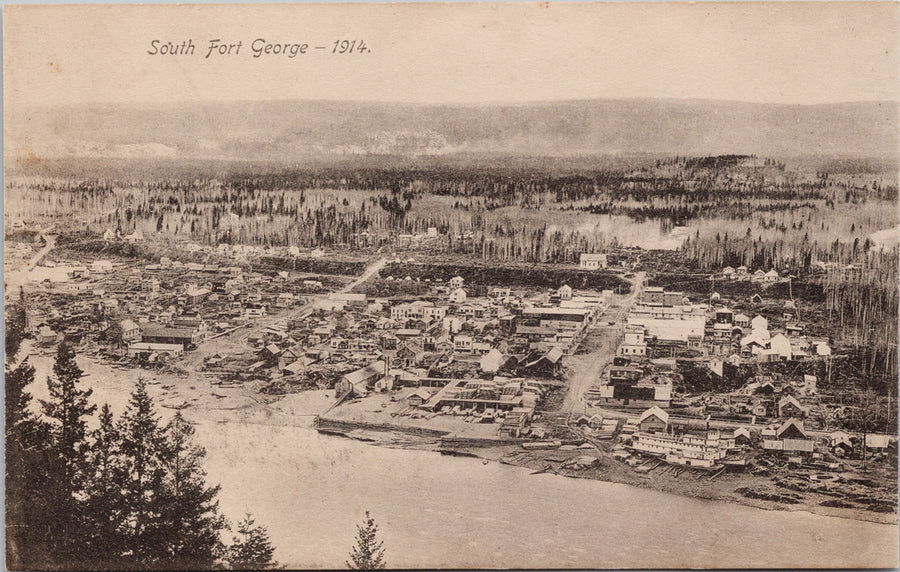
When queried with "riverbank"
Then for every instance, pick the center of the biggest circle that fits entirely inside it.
(780, 493)
(453, 511)
(201, 402)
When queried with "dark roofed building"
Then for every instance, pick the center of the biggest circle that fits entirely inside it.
(157, 334)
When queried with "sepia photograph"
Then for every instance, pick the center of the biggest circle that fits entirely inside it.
(451, 285)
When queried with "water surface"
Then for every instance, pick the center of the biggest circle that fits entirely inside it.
(439, 511)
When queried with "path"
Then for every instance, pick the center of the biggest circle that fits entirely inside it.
(368, 273)
(50, 240)
(16, 278)
(588, 368)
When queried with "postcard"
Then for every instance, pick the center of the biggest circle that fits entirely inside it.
(451, 285)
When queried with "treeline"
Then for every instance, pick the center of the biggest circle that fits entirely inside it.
(681, 214)
(129, 494)
(788, 252)
(863, 306)
(539, 214)
(509, 276)
(314, 265)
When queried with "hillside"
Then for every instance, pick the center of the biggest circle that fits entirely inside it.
(283, 130)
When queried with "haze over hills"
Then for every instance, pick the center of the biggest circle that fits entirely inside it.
(288, 130)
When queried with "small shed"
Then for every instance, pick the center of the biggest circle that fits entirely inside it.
(419, 397)
(742, 437)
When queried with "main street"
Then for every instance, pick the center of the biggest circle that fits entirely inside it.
(601, 342)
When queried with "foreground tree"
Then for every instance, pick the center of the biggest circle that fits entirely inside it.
(250, 549)
(15, 326)
(68, 410)
(140, 477)
(29, 519)
(68, 405)
(368, 554)
(129, 495)
(103, 517)
(172, 519)
(189, 509)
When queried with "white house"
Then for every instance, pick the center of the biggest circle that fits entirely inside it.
(823, 349)
(131, 332)
(592, 261)
(457, 282)
(458, 296)
(565, 292)
(634, 334)
(491, 361)
(780, 346)
(136, 236)
(759, 323)
(634, 343)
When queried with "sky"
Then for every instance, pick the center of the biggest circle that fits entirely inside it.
(796, 53)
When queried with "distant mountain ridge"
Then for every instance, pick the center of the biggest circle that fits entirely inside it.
(286, 130)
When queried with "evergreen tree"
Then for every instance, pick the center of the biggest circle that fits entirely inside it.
(18, 415)
(104, 518)
(129, 495)
(68, 409)
(191, 522)
(141, 477)
(28, 477)
(172, 519)
(15, 328)
(68, 404)
(251, 549)
(368, 554)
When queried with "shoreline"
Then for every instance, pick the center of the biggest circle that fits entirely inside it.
(244, 406)
(688, 483)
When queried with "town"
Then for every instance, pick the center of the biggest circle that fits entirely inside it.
(717, 383)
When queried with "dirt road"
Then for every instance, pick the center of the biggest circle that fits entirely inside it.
(50, 240)
(601, 344)
(369, 272)
(586, 369)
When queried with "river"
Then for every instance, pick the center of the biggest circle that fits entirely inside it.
(439, 511)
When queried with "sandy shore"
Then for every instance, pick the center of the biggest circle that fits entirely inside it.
(691, 483)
